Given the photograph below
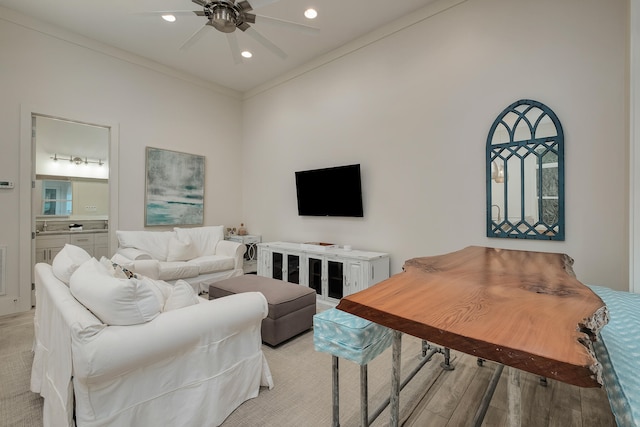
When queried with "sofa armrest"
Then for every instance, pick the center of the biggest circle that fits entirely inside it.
(134, 254)
(117, 350)
(233, 249)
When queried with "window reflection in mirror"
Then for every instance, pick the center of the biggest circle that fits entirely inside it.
(525, 173)
(57, 198)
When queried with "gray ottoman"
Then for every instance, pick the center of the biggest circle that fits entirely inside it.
(291, 306)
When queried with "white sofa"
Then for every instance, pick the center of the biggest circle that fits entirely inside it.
(138, 361)
(197, 255)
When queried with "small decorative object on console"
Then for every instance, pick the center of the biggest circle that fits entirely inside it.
(318, 246)
(242, 231)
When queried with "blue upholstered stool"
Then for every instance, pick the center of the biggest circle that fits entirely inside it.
(344, 335)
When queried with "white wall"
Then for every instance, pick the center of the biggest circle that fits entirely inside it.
(62, 72)
(414, 110)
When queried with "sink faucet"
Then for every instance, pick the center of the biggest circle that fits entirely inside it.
(497, 206)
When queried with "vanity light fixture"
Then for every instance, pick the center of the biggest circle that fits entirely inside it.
(77, 160)
(169, 18)
(310, 13)
(246, 54)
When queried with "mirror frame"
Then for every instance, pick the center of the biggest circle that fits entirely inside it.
(525, 110)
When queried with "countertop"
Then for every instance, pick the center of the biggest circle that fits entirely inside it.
(59, 232)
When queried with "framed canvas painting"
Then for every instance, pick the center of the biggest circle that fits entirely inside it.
(174, 192)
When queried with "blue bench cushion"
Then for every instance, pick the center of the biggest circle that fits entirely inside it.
(619, 353)
(350, 337)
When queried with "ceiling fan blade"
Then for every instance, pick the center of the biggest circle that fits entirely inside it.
(235, 49)
(200, 2)
(194, 37)
(276, 22)
(257, 4)
(171, 12)
(265, 42)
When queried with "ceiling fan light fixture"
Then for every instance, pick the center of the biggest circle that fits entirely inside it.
(169, 18)
(224, 18)
(310, 13)
(246, 54)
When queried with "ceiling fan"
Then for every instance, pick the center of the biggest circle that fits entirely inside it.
(228, 15)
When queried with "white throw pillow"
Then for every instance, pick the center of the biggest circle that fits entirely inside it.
(114, 301)
(182, 295)
(205, 239)
(67, 261)
(181, 250)
(116, 270)
(160, 288)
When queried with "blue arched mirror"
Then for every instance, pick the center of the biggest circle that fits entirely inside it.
(525, 173)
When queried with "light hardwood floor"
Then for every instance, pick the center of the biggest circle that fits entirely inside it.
(452, 397)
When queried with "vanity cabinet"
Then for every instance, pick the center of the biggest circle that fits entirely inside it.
(84, 241)
(101, 245)
(333, 273)
(47, 247)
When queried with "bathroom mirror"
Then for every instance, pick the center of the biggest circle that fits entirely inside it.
(525, 173)
(72, 198)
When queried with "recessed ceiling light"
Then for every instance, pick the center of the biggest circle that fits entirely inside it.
(169, 18)
(310, 13)
(246, 54)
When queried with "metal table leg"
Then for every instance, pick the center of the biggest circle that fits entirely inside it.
(394, 398)
(364, 397)
(335, 392)
(514, 395)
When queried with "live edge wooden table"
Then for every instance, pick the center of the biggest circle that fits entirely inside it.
(521, 309)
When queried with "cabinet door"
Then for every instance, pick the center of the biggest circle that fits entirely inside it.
(47, 247)
(264, 262)
(314, 274)
(277, 265)
(335, 279)
(354, 281)
(53, 252)
(293, 268)
(101, 246)
(42, 255)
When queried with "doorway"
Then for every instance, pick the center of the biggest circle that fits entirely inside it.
(21, 292)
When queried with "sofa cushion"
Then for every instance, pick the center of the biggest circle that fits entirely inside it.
(114, 301)
(204, 239)
(182, 295)
(180, 250)
(67, 261)
(213, 263)
(177, 270)
(155, 243)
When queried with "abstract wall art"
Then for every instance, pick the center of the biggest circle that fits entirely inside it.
(174, 188)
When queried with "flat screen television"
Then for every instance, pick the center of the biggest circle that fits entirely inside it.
(335, 191)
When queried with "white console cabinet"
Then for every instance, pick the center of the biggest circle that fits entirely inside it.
(332, 272)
